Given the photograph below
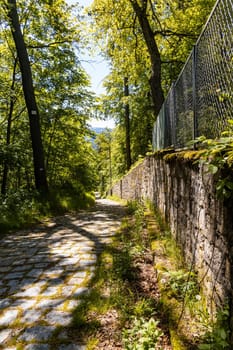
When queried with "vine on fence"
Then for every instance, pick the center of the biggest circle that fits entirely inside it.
(218, 157)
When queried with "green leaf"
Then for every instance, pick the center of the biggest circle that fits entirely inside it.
(205, 347)
(213, 168)
(229, 184)
(223, 334)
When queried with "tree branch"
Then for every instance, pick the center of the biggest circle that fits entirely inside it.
(154, 15)
(42, 46)
(169, 32)
(172, 61)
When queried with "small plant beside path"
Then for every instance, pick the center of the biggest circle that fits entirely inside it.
(122, 312)
(142, 297)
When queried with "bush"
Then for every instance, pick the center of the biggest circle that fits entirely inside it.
(23, 208)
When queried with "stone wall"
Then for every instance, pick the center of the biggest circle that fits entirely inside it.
(201, 224)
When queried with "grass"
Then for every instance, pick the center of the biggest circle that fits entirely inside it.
(22, 209)
(191, 325)
(118, 306)
(115, 287)
(178, 285)
(114, 294)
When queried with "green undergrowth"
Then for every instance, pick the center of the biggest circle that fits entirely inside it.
(215, 154)
(119, 311)
(22, 209)
(191, 325)
(115, 294)
(117, 199)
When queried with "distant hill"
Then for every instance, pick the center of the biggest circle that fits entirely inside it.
(99, 130)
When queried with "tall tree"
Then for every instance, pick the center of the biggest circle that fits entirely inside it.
(147, 41)
(30, 100)
(141, 11)
(103, 145)
(8, 132)
(127, 124)
(131, 41)
(51, 32)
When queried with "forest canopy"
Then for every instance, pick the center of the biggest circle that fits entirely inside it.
(146, 44)
(46, 142)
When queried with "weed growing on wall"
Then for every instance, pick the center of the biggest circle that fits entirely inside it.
(217, 332)
(181, 284)
(218, 157)
(192, 326)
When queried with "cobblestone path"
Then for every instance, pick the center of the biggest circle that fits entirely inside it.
(44, 273)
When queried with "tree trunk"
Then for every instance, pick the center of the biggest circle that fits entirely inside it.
(8, 136)
(155, 78)
(6, 167)
(127, 126)
(8, 132)
(29, 95)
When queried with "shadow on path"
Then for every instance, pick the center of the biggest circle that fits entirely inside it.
(45, 271)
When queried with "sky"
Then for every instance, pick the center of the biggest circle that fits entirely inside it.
(97, 69)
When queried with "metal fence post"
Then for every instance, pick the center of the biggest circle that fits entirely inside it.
(194, 81)
(174, 114)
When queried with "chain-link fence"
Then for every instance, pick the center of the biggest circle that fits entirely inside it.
(201, 100)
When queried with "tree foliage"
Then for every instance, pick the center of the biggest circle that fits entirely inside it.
(129, 34)
(29, 96)
(51, 32)
(145, 42)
